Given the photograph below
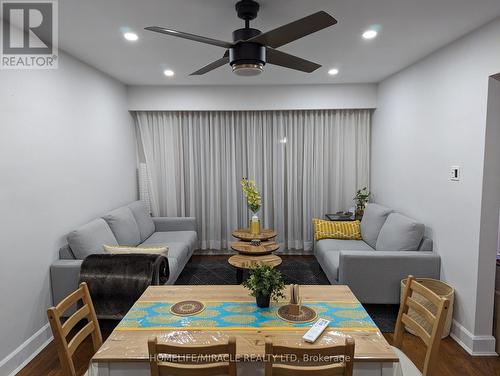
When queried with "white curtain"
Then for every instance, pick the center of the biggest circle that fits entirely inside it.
(305, 164)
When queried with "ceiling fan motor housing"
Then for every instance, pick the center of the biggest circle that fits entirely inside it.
(246, 52)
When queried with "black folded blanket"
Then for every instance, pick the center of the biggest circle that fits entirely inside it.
(116, 281)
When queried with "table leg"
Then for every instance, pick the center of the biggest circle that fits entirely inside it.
(373, 369)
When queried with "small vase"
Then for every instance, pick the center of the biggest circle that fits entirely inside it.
(360, 210)
(263, 301)
(255, 225)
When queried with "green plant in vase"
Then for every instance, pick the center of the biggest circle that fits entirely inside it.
(361, 199)
(265, 283)
(254, 203)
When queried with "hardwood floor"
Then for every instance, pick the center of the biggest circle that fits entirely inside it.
(454, 361)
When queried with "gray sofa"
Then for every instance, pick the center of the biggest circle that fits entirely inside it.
(392, 247)
(129, 225)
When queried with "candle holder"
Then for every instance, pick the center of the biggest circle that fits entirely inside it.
(295, 300)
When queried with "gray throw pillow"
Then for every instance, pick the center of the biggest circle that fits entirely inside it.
(373, 220)
(426, 245)
(123, 224)
(143, 219)
(400, 233)
(90, 238)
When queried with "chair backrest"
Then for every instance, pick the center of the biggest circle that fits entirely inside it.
(435, 321)
(194, 360)
(66, 348)
(284, 360)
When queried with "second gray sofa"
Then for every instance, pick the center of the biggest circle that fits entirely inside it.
(129, 225)
(392, 247)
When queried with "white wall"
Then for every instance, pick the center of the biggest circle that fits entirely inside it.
(430, 116)
(67, 155)
(285, 97)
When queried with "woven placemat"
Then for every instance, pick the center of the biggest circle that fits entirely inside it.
(187, 308)
(306, 314)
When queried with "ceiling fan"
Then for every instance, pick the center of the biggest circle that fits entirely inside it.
(251, 49)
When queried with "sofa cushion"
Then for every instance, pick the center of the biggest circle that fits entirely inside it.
(123, 224)
(400, 233)
(342, 245)
(143, 219)
(179, 243)
(327, 252)
(426, 245)
(90, 238)
(373, 219)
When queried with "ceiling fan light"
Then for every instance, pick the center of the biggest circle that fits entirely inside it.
(248, 70)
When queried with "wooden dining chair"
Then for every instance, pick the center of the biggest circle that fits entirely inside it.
(286, 368)
(436, 322)
(66, 348)
(193, 360)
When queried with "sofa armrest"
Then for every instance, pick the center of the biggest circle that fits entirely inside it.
(64, 279)
(164, 224)
(375, 276)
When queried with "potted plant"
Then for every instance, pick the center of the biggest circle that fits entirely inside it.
(254, 202)
(361, 198)
(265, 283)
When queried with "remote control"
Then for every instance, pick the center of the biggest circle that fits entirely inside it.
(316, 330)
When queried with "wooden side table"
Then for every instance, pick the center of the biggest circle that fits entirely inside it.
(241, 262)
(247, 248)
(245, 235)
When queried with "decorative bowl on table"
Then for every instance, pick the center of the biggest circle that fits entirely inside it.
(344, 214)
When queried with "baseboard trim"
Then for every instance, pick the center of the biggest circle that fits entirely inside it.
(30, 348)
(474, 345)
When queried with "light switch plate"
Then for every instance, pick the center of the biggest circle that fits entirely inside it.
(455, 173)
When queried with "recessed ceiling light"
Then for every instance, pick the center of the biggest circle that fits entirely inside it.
(168, 72)
(333, 71)
(131, 36)
(370, 34)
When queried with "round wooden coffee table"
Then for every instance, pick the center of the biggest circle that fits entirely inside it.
(246, 248)
(245, 235)
(241, 262)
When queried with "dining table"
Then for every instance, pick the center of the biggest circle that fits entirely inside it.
(229, 310)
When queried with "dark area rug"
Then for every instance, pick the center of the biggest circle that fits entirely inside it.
(303, 270)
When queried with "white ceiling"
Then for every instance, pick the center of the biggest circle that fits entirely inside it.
(410, 29)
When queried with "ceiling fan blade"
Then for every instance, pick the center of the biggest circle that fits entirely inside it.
(216, 64)
(289, 61)
(295, 30)
(194, 37)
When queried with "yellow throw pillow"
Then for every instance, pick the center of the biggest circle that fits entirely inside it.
(347, 230)
(120, 249)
